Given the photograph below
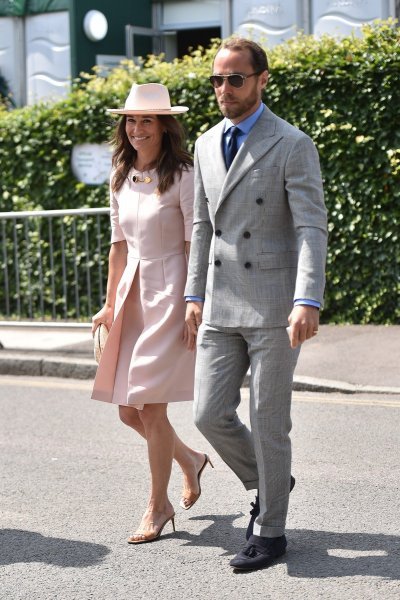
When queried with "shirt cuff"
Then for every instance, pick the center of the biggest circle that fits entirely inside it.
(194, 299)
(305, 301)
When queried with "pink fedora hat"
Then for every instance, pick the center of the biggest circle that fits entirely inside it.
(148, 98)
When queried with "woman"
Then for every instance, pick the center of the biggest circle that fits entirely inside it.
(147, 361)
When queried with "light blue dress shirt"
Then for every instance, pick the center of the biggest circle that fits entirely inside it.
(244, 127)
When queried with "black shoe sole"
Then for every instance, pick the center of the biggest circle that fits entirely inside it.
(270, 562)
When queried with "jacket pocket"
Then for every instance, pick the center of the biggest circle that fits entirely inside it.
(267, 178)
(277, 260)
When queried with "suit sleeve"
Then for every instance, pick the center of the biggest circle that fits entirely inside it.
(201, 237)
(306, 200)
(186, 198)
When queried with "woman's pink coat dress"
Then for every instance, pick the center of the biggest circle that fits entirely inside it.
(145, 360)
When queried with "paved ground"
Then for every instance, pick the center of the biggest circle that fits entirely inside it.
(347, 358)
(74, 482)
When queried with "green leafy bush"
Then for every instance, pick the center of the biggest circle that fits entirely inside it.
(345, 96)
(343, 93)
(6, 101)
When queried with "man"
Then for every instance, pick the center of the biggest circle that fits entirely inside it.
(256, 263)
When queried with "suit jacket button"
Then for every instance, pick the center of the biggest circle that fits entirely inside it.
(247, 234)
(247, 265)
(218, 233)
(259, 200)
(217, 262)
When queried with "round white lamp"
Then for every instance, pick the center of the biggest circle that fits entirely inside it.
(95, 25)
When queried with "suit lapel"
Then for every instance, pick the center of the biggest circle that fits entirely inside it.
(263, 136)
(216, 169)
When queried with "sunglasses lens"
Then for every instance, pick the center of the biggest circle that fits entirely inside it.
(235, 80)
(216, 80)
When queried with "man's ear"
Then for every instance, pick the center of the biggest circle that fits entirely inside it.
(264, 79)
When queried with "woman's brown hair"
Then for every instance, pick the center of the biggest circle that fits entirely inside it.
(172, 160)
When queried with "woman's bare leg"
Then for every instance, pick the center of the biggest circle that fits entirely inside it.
(189, 460)
(160, 444)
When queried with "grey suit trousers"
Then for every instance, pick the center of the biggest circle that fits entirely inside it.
(261, 458)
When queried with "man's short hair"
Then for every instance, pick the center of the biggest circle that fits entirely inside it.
(258, 56)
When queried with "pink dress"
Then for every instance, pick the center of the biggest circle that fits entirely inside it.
(145, 360)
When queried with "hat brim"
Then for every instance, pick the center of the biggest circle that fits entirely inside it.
(174, 110)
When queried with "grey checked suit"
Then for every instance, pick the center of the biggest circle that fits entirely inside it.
(258, 243)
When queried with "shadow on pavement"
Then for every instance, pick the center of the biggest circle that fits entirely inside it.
(220, 533)
(19, 546)
(311, 554)
(319, 554)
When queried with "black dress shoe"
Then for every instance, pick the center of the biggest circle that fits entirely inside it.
(259, 553)
(255, 511)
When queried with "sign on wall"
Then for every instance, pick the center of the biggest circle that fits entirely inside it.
(91, 163)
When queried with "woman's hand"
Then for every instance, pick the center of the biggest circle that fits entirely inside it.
(105, 315)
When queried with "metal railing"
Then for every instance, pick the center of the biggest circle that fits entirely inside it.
(53, 263)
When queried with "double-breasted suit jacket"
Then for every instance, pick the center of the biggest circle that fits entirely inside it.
(259, 231)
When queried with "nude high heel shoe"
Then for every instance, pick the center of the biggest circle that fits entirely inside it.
(149, 536)
(188, 501)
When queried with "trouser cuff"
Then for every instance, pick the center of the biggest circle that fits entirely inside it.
(265, 531)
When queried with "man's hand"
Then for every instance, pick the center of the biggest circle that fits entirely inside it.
(194, 312)
(303, 321)
(189, 339)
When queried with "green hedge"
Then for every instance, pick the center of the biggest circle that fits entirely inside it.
(5, 94)
(344, 93)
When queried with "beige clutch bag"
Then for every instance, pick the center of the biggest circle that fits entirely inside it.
(100, 338)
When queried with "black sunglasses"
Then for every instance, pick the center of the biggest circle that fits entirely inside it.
(236, 80)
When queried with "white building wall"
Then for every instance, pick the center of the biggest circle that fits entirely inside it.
(180, 12)
(48, 58)
(12, 56)
(270, 22)
(342, 17)
(277, 20)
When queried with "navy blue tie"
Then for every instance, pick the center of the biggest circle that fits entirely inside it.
(231, 147)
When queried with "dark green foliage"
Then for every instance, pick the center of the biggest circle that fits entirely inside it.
(345, 94)
(5, 94)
